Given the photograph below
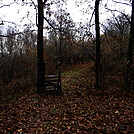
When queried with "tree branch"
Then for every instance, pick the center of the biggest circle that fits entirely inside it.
(33, 4)
(129, 21)
(49, 23)
(7, 5)
(44, 2)
(91, 17)
(121, 3)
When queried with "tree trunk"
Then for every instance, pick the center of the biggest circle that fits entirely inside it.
(40, 51)
(97, 63)
(130, 64)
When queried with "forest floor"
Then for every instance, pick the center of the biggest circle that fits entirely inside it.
(81, 109)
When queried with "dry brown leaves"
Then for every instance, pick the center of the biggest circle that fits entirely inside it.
(75, 112)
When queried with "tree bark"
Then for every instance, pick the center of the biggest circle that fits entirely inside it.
(130, 64)
(97, 63)
(40, 51)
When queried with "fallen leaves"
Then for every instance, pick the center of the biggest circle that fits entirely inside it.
(75, 112)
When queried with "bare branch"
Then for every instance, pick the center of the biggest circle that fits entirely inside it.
(121, 3)
(44, 2)
(49, 23)
(63, 0)
(7, 5)
(35, 6)
(91, 17)
(121, 13)
(3, 21)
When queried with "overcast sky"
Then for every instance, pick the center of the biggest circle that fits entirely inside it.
(17, 12)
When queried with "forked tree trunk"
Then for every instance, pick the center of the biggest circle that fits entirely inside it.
(97, 63)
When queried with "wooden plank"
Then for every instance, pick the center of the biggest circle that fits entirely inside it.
(51, 88)
(51, 76)
(52, 82)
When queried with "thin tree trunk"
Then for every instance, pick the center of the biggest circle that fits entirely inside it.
(131, 39)
(40, 51)
(97, 64)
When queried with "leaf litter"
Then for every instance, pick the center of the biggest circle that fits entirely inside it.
(76, 112)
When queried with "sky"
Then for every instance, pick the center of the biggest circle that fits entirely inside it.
(80, 11)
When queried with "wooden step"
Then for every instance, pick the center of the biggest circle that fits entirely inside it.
(51, 76)
(52, 82)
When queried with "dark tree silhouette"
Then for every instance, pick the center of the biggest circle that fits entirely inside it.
(40, 52)
(130, 64)
(97, 28)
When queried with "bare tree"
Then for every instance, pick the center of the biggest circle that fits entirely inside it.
(40, 52)
(97, 64)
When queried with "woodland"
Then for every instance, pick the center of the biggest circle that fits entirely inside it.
(95, 94)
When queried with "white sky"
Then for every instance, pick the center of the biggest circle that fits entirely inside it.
(15, 13)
